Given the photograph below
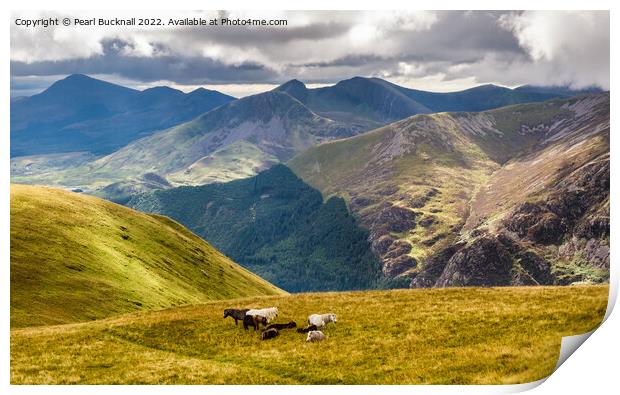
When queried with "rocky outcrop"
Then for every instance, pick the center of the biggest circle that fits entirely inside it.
(487, 260)
(393, 253)
(593, 251)
(381, 245)
(537, 223)
(398, 248)
(393, 267)
(427, 221)
(393, 219)
(536, 267)
(569, 226)
(484, 262)
(574, 216)
(434, 267)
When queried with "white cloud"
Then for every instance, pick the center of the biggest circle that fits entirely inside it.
(565, 46)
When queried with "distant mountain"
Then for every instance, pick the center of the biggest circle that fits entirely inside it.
(78, 258)
(240, 138)
(235, 140)
(364, 102)
(515, 195)
(276, 226)
(80, 113)
(373, 102)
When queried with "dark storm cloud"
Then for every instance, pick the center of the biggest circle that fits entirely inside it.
(257, 36)
(326, 46)
(183, 70)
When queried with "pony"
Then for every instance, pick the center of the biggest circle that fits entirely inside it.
(270, 313)
(279, 327)
(270, 333)
(315, 336)
(253, 321)
(236, 314)
(321, 320)
(307, 329)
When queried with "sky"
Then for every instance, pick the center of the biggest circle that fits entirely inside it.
(429, 50)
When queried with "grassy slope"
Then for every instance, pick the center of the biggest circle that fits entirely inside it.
(76, 258)
(240, 159)
(458, 336)
(334, 168)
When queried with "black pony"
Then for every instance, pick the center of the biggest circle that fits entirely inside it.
(236, 314)
(279, 327)
(307, 329)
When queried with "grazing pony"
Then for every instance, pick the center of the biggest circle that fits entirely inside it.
(270, 313)
(270, 333)
(254, 321)
(307, 329)
(321, 320)
(236, 314)
(315, 336)
(279, 327)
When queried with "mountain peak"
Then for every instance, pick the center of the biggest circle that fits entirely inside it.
(83, 84)
(200, 90)
(161, 91)
(78, 77)
(161, 88)
(294, 88)
(294, 83)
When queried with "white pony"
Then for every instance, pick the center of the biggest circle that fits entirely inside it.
(270, 313)
(315, 336)
(321, 320)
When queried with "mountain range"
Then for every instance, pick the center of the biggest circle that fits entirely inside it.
(80, 113)
(235, 140)
(447, 189)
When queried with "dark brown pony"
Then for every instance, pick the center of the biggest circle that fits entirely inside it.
(269, 333)
(253, 321)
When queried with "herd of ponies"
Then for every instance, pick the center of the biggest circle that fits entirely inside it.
(256, 317)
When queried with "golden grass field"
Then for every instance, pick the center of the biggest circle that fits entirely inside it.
(426, 336)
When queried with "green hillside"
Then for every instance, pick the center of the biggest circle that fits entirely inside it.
(415, 185)
(276, 226)
(431, 336)
(77, 258)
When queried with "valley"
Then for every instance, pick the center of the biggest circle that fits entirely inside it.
(278, 227)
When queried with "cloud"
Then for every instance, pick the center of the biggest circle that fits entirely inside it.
(435, 49)
(570, 47)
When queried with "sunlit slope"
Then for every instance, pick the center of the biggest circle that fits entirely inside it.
(77, 258)
(416, 183)
(426, 336)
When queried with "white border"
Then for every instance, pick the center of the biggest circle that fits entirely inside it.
(594, 366)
